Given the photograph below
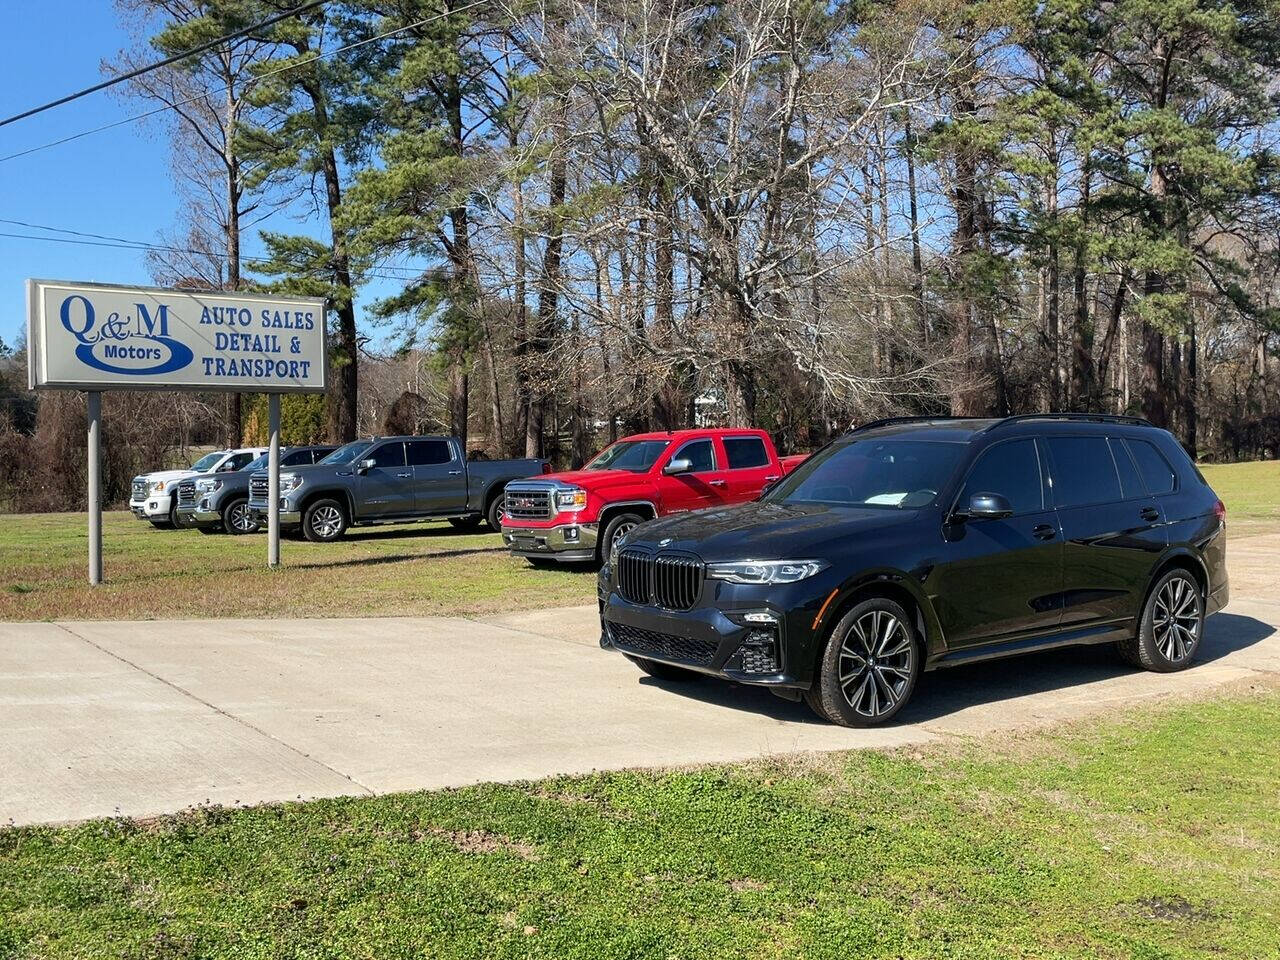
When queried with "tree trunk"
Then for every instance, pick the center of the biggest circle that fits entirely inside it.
(1082, 325)
(548, 287)
(917, 260)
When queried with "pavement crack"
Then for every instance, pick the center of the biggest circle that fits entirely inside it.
(177, 688)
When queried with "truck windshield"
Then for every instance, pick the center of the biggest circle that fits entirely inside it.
(258, 463)
(887, 474)
(347, 452)
(634, 455)
(208, 461)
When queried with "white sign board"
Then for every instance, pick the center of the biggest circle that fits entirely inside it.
(86, 336)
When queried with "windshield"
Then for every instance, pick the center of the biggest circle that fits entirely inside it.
(634, 455)
(347, 452)
(890, 474)
(259, 463)
(208, 461)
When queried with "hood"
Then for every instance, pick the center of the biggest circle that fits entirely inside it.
(303, 469)
(593, 479)
(767, 531)
(166, 475)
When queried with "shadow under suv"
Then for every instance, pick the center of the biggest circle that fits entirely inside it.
(912, 544)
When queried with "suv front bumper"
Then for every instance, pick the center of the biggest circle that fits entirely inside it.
(705, 639)
(567, 541)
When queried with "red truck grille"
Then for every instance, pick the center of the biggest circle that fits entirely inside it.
(527, 504)
(668, 580)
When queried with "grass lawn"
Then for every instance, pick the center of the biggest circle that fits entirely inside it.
(1251, 492)
(1155, 835)
(160, 574)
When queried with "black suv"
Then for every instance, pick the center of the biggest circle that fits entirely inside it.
(913, 543)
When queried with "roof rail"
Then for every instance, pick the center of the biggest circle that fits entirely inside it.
(1082, 417)
(887, 421)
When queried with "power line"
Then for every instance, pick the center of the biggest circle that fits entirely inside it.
(176, 58)
(262, 76)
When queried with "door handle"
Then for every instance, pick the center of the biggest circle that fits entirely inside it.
(772, 477)
(455, 473)
(1044, 531)
(1150, 513)
(404, 474)
(716, 483)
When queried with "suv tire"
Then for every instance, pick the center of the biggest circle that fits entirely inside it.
(493, 515)
(1171, 627)
(324, 521)
(869, 665)
(237, 521)
(617, 526)
(663, 671)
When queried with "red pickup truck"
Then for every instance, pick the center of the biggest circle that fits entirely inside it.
(579, 514)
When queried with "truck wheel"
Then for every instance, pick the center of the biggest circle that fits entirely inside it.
(617, 528)
(465, 523)
(174, 520)
(324, 521)
(493, 516)
(236, 518)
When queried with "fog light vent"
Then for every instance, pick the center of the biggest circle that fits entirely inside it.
(759, 652)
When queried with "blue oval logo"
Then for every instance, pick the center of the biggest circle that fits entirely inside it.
(134, 345)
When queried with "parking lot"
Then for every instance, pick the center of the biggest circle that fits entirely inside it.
(137, 718)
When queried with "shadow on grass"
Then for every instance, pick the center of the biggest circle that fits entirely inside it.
(942, 692)
(394, 558)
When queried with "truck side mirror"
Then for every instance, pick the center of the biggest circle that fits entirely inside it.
(364, 466)
(681, 465)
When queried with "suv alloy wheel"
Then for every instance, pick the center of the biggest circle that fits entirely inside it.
(1171, 626)
(869, 665)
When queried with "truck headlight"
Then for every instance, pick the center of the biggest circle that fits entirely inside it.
(289, 481)
(572, 499)
(765, 571)
(208, 486)
(157, 486)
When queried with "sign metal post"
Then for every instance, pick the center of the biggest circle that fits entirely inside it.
(273, 486)
(95, 487)
(94, 337)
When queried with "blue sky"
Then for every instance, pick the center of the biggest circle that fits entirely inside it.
(115, 183)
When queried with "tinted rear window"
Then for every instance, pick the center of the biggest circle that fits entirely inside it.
(1130, 484)
(1011, 470)
(425, 453)
(745, 452)
(1083, 471)
(296, 458)
(1155, 469)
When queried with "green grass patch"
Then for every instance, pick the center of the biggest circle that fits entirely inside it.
(150, 573)
(1251, 492)
(1152, 836)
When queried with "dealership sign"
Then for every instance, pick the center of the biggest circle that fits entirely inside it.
(85, 336)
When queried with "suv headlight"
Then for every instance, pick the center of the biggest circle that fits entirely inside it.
(209, 485)
(765, 571)
(575, 498)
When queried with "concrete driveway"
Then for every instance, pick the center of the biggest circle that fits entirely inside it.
(101, 718)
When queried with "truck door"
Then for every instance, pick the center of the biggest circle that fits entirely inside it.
(386, 488)
(439, 476)
(697, 488)
(749, 466)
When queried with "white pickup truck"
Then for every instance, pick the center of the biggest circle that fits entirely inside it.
(154, 496)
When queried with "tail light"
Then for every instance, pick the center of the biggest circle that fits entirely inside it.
(1220, 511)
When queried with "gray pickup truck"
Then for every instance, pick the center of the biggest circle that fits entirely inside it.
(219, 502)
(390, 480)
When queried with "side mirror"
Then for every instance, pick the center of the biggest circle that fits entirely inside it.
(682, 465)
(988, 506)
(364, 466)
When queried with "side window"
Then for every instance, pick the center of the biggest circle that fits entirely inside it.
(1130, 483)
(297, 458)
(1154, 468)
(426, 453)
(239, 461)
(744, 452)
(389, 455)
(1012, 470)
(320, 453)
(700, 453)
(1083, 471)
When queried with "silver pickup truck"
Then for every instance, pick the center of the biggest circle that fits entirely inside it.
(391, 480)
